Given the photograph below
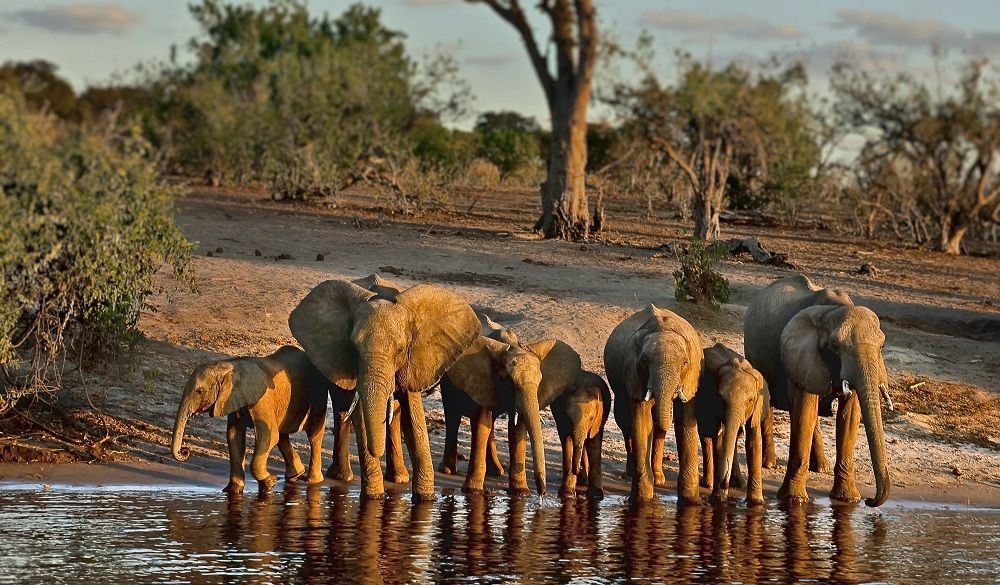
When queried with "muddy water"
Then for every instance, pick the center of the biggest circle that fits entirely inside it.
(107, 535)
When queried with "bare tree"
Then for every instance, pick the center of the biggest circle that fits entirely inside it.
(567, 91)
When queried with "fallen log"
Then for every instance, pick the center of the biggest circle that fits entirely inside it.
(755, 249)
(748, 217)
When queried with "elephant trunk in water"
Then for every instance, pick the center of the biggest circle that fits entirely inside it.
(730, 433)
(184, 411)
(527, 408)
(376, 382)
(869, 394)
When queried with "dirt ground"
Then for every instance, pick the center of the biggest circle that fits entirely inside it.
(941, 316)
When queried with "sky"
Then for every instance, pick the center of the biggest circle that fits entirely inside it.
(92, 41)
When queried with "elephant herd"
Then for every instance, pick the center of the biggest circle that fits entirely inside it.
(375, 349)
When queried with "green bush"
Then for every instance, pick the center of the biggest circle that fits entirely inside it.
(84, 226)
(697, 279)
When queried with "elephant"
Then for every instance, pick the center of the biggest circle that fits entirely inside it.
(731, 397)
(385, 344)
(580, 415)
(521, 379)
(458, 404)
(279, 394)
(340, 469)
(808, 343)
(653, 360)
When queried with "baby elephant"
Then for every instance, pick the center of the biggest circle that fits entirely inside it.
(731, 395)
(580, 415)
(279, 394)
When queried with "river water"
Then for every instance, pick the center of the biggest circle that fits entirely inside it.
(63, 534)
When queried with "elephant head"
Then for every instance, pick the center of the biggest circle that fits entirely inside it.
(740, 388)
(379, 341)
(663, 362)
(585, 409)
(222, 388)
(819, 338)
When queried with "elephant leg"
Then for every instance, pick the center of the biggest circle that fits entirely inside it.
(707, 462)
(595, 477)
(736, 479)
(293, 465)
(395, 465)
(419, 446)
(517, 436)
(817, 457)
(805, 408)
(475, 477)
(236, 439)
(642, 439)
(265, 438)
(755, 480)
(315, 429)
(848, 418)
(770, 457)
(452, 422)
(659, 478)
(568, 488)
(340, 468)
(494, 468)
(686, 430)
(371, 468)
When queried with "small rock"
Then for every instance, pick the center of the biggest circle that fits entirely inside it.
(256, 252)
(209, 254)
(219, 250)
(320, 257)
(868, 269)
(957, 471)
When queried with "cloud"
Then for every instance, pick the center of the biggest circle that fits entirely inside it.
(494, 60)
(742, 27)
(80, 18)
(820, 58)
(432, 3)
(887, 29)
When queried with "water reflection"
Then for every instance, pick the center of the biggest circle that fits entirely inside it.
(316, 534)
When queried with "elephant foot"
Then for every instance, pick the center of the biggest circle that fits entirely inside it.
(660, 479)
(265, 485)
(518, 491)
(495, 471)
(401, 477)
(446, 469)
(845, 492)
(754, 501)
(705, 483)
(770, 462)
(234, 487)
(315, 478)
(421, 497)
(463, 457)
(642, 493)
(340, 474)
(794, 500)
(690, 500)
(819, 466)
(373, 495)
(717, 499)
(595, 493)
(472, 489)
(567, 492)
(292, 477)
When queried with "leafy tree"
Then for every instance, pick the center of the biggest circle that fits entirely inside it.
(508, 140)
(41, 86)
(749, 132)
(86, 224)
(928, 157)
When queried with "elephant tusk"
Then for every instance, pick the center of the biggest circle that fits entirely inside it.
(648, 396)
(354, 403)
(845, 389)
(888, 398)
(680, 394)
(391, 410)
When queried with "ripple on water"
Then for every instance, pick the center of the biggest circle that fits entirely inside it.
(64, 535)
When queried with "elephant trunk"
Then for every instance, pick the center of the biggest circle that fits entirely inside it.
(664, 389)
(730, 434)
(528, 410)
(375, 388)
(184, 411)
(869, 395)
(579, 440)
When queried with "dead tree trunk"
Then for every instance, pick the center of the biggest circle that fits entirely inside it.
(707, 172)
(567, 91)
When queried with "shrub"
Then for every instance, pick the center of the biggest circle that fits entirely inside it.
(696, 277)
(86, 224)
(482, 173)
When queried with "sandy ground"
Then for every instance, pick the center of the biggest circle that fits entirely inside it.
(941, 318)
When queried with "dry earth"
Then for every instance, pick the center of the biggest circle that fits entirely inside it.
(940, 314)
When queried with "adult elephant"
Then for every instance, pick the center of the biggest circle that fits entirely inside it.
(653, 360)
(384, 345)
(810, 342)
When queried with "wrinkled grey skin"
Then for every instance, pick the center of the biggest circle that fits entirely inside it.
(808, 342)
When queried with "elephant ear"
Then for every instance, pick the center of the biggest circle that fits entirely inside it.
(632, 368)
(560, 365)
(242, 384)
(443, 326)
(696, 359)
(800, 350)
(322, 324)
(717, 357)
(473, 371)
(384, 289)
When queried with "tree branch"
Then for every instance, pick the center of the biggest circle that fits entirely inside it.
(514, 15)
